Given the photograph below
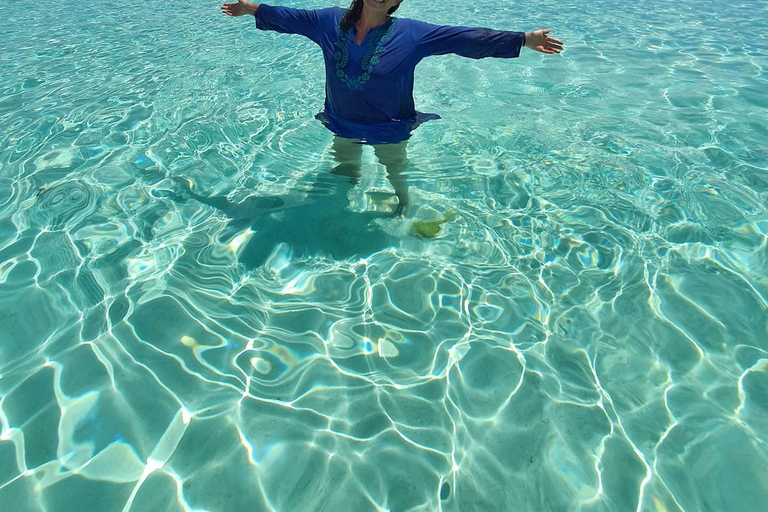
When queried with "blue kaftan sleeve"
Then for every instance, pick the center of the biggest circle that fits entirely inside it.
(476, 43)
(287, 20)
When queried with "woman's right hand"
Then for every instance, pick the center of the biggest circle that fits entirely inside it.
(240, 8)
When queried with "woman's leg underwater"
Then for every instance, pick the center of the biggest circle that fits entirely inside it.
(347, 154)
(346, 169)
(395, 158)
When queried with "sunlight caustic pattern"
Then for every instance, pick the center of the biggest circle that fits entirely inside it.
(195, 315)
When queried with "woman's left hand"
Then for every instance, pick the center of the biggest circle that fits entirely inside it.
(539, 40)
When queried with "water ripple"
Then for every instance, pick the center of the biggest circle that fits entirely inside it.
(190, 298)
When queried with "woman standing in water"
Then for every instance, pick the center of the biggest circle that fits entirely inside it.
(370, 58)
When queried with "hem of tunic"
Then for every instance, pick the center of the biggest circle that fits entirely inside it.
(391, 132)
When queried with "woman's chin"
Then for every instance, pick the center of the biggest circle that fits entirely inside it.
(375, 3)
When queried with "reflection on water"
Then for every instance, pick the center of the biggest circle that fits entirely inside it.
(587, 332)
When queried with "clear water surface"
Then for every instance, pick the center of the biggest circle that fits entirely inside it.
(589, 332)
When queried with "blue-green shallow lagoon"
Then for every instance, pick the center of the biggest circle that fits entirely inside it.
(590, 332)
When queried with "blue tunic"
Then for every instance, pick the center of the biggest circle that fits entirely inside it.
(369, 87)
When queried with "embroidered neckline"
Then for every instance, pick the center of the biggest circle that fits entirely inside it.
(374, 48)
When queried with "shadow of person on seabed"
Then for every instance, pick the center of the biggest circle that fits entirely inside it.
(321, 224)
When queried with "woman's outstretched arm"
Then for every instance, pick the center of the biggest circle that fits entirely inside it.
(478, 43)
(286, 20)
(239, 8)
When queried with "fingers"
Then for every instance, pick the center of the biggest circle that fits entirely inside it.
(549, 49)
(553, 46)
(550, 45)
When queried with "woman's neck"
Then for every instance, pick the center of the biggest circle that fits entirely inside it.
(370, 19)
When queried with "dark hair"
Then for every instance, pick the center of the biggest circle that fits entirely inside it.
(352, 16)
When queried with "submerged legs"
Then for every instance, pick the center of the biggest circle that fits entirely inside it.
(347, 153)
(395, 158)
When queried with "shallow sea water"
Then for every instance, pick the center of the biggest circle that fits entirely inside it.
(589, 332)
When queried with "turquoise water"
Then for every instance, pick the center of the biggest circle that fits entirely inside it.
(589, 332)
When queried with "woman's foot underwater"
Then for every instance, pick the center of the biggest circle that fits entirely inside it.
(401, 210)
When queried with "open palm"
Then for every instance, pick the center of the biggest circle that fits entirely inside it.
(539, 40)
(234, 9)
